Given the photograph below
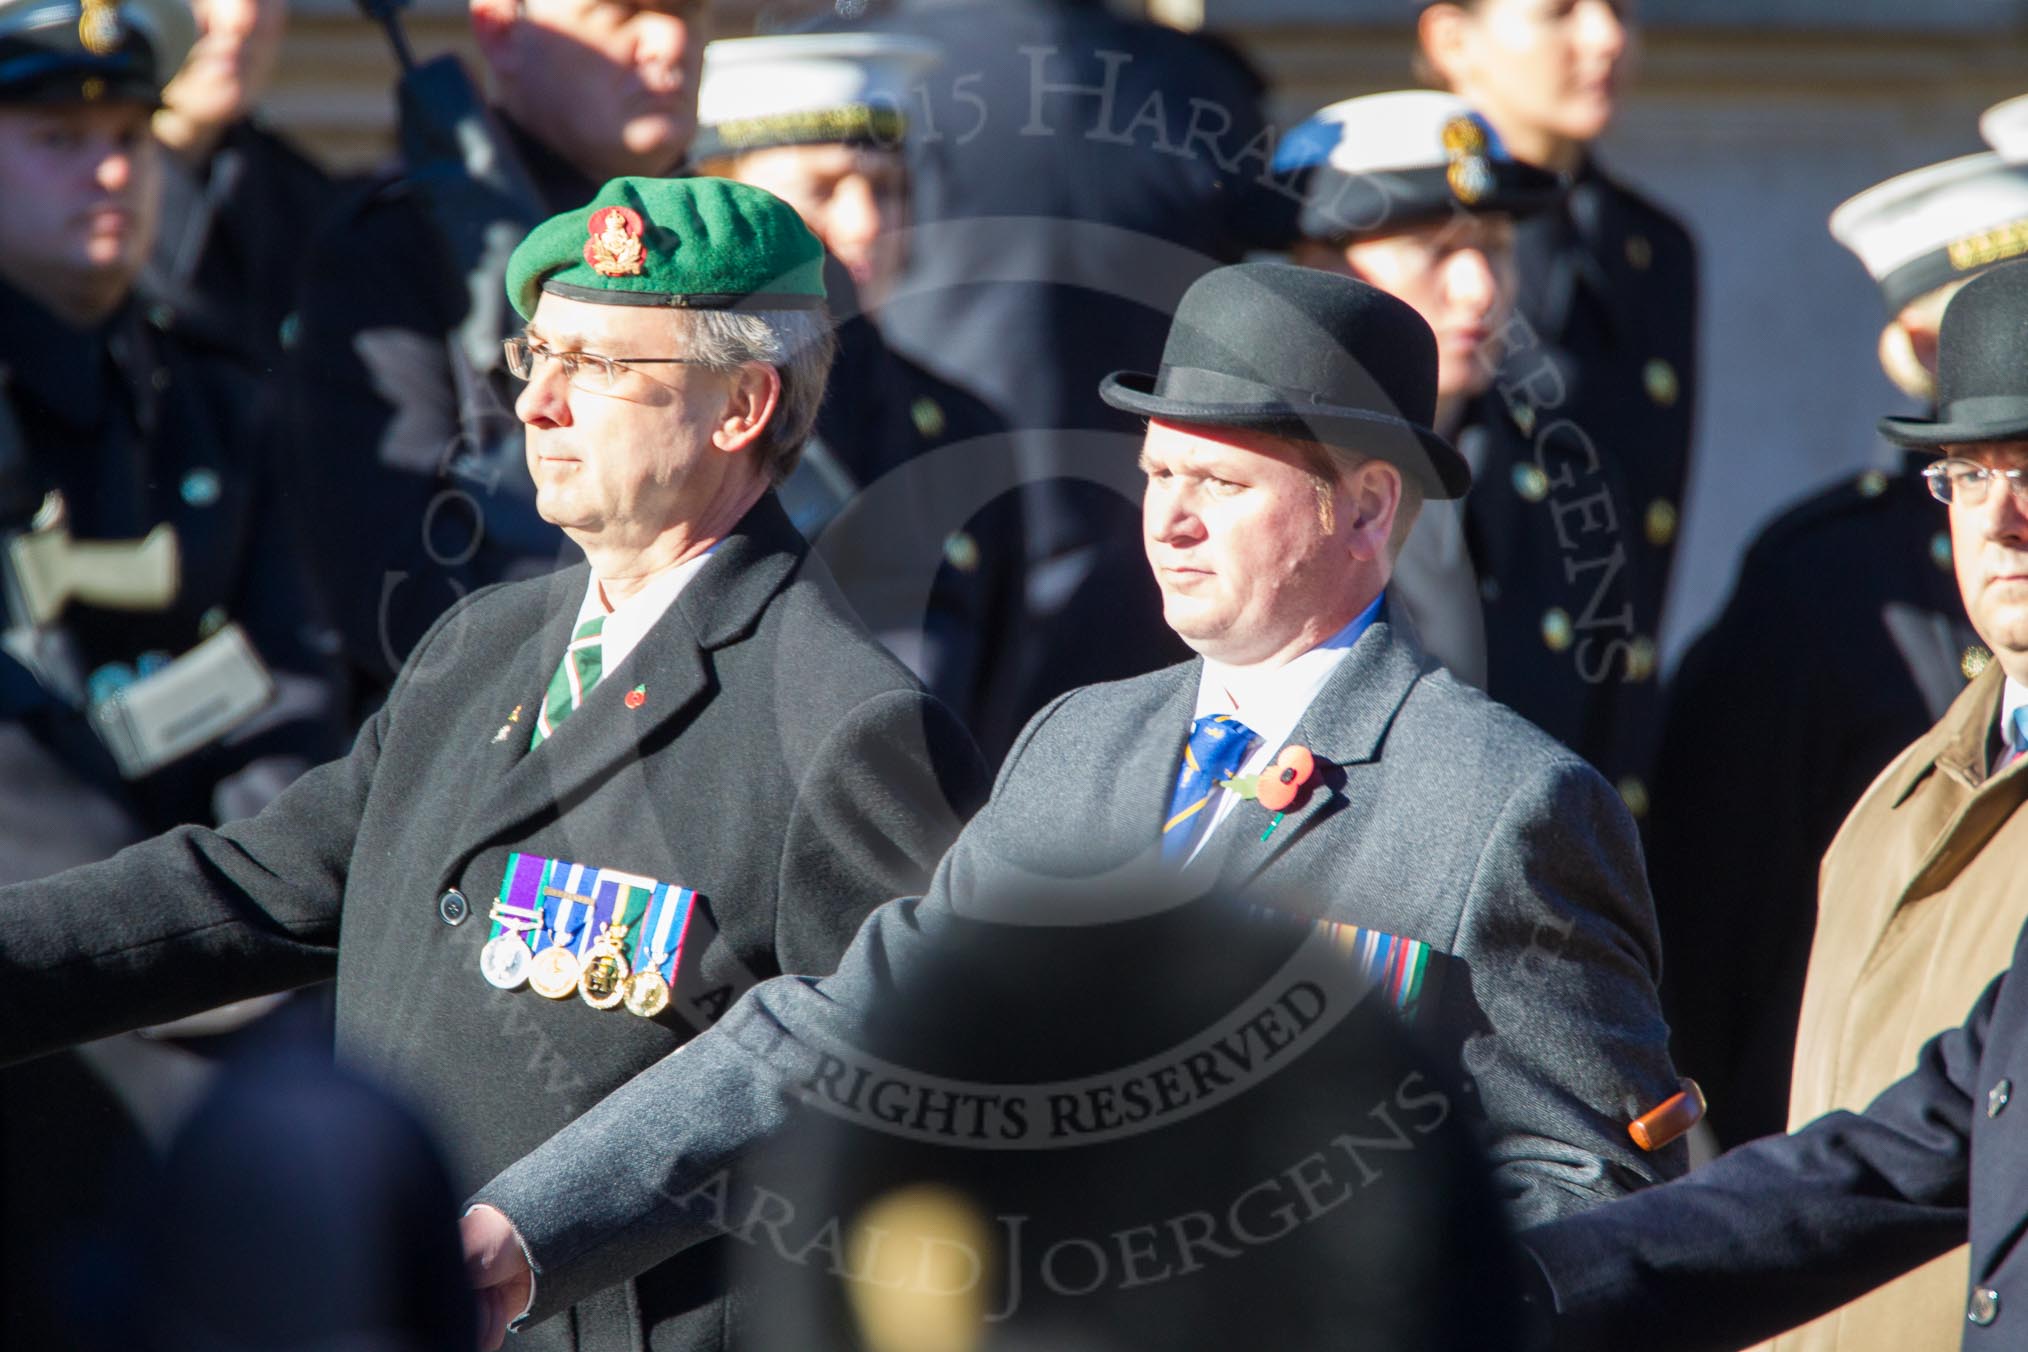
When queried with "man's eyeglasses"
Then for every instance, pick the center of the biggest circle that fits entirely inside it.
(1965, 484)
(584, 370)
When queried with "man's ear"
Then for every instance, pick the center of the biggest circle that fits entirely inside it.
(1440, 38)
(492, 28)
(754, 395)
(1375, 492)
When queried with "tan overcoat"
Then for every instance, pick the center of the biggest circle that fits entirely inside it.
(1921, 898)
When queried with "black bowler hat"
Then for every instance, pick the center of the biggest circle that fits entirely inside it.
(1304, 354)
(1981, 366)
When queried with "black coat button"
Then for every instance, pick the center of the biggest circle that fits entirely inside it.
(452, 908)
(1985, 1306)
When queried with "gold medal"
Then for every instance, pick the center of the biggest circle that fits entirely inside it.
(603, 980)
(554, 973)
(646, 993)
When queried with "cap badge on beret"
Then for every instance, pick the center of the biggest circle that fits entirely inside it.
(98, 27)
(1470, 176)
(614, 249)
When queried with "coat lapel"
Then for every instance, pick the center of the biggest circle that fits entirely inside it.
(671, 665)
(1961, 755)
(1344, 728)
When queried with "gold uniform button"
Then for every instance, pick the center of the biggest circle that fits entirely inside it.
(1872, 483)
(1660, 379)
(1530, 481)
(1973, 661)
(1556, 628)
(1940, 550)
(1660, 522)
(1640, 253)
(1641, 659)
(961, 551)
(1634, 794)
(928, 416)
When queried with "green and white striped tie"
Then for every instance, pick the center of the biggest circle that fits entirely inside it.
(576, 674)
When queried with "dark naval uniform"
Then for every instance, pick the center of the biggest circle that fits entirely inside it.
(928, 551)
(1585, 448)
(424, 453)
(755, 747)
(138, 427)
(1844, 641)
(229, 252)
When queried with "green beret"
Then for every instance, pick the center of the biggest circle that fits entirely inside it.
(688, 243)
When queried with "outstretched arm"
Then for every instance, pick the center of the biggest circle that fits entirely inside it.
(1782, 1229)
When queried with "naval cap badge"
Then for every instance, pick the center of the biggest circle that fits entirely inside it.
(1467, 144)
(614, 249)
(98, 27)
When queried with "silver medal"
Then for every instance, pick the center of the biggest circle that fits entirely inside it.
(504, 961)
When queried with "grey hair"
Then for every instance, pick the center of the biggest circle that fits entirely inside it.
(799, 344)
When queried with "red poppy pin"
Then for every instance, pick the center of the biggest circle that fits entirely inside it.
(637, 697)
(614, 249)
(1281, 785)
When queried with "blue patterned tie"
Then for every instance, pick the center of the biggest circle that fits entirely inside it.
(2015, 733)
(1217, 747)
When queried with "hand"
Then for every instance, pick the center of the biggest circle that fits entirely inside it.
(499, 1272)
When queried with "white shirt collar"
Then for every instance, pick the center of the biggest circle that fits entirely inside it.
(1271, 703)
(629, 622)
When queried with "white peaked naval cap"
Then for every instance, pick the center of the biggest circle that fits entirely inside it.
(810, 88)
(1923, 229)
(2005, 127)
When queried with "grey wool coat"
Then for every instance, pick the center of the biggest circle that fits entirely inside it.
(775, 759)
(1438, 815)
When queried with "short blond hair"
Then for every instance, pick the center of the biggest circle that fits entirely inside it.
(1328, 465)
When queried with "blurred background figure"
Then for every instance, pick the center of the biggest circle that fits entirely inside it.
(238, 200)
(1326, 1194)
(1580, 495)
(160, 663)
(1412, 193)
(400, 407)
(1075, 170)
(820, 120)
(1845, 638)
(300, 1209)
(907, 485)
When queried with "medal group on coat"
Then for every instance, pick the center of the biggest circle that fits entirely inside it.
(967, 535)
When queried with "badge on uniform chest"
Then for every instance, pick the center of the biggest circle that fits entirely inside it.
(612, 939)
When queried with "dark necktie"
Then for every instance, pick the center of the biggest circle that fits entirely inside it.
(576, 674)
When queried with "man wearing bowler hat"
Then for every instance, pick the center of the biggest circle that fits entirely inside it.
(1920, 896)
(1308, 759)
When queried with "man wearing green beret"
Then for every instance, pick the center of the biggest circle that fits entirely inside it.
(596, 805)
